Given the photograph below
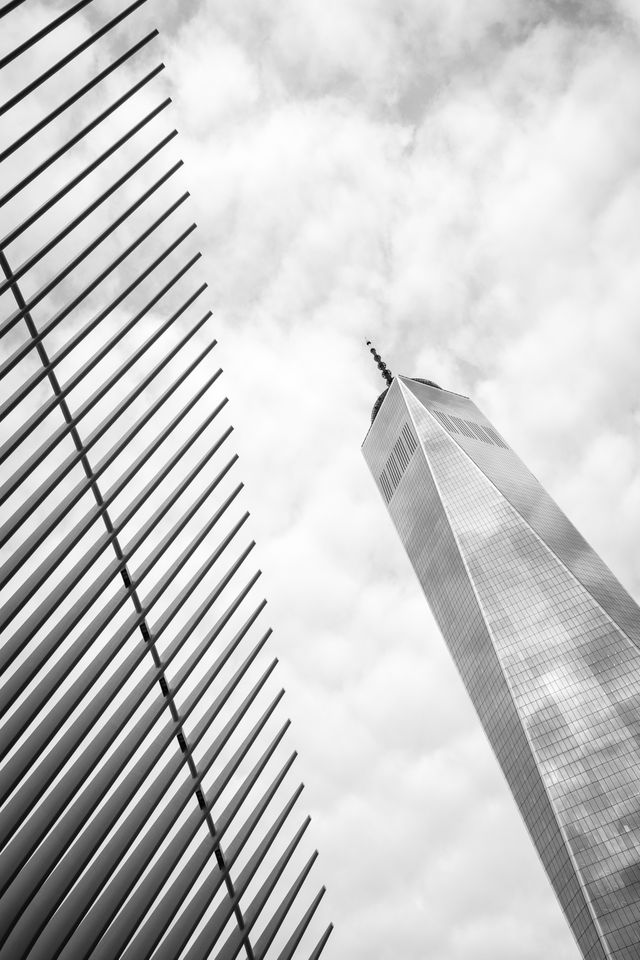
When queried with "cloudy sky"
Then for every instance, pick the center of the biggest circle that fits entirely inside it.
(458, 182)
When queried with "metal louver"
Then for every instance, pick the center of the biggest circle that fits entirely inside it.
(397, 463)
(146, 810)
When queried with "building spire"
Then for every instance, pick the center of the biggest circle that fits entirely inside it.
(386, 373)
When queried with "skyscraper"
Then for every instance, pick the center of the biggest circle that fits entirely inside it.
(545, 639)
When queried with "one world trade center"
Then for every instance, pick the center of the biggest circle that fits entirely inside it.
(544, 637)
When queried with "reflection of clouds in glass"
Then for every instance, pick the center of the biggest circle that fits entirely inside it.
(571, 671)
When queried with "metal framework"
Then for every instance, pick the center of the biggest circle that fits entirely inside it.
(139, 770)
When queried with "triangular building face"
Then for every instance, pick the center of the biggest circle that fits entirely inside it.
(545, 638)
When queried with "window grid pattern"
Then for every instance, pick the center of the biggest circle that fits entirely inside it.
(397, 462)
(469, 428)
(424, 528)
(575, 679)
(520, 487)
(146, 802)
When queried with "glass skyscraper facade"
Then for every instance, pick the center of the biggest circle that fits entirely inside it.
(545, 638)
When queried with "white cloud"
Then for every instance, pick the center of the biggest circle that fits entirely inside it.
(451, 184)
(459, 183)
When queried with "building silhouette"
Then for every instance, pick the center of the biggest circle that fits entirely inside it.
(544, 637)
(146, 808)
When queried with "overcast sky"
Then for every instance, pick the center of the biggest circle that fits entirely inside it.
(458, 182)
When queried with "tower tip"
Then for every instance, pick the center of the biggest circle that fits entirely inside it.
(387, 376)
